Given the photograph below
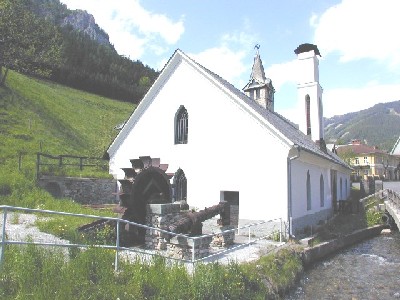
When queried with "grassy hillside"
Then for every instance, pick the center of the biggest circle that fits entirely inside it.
(378, 126)
(40, 116)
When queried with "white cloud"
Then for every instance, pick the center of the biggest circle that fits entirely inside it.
(229, 58)
(223, 61)
(280, 74)
(343, 100)
(132, 29)
(359, 29)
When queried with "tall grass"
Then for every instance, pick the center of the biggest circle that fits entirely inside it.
(36, 273)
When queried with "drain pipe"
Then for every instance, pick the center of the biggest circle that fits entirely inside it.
(289, 182)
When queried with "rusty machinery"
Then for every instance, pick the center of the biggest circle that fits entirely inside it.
(147, 182)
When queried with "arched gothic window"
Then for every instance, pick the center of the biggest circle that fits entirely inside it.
(180, 185)
(321, 191)
(181, 126)
(308, 115)
(308, 191)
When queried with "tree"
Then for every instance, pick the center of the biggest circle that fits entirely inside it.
(348, 156)
(30, 44)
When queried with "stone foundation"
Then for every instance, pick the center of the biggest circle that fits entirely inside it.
(160, 216)
(224, 239)
(182, 246)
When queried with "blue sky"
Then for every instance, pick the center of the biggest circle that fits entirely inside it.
(358, 40)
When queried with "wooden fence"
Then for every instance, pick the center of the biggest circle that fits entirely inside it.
(61, 161)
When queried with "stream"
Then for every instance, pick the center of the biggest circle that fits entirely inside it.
(369, 270)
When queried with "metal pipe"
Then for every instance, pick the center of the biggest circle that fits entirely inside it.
(117, 249)
(3, 238)
(289, 168)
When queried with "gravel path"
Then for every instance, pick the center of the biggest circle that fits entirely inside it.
(21, 227)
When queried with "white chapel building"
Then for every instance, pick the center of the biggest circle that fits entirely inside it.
(222, 143)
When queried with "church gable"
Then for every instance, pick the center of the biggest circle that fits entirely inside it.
(203, 97)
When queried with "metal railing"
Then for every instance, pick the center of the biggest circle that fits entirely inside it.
(251, 238)
(394, 199)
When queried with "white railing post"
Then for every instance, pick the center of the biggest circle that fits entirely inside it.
(193, 255)
(280, 231)
(117, 248)
(3, 237)
(249, 234)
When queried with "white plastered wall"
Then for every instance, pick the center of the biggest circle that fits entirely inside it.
(316, 166)
(227, 150)
(299, 188)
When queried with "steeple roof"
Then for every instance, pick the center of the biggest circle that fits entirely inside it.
(257, 76)
(257, 73)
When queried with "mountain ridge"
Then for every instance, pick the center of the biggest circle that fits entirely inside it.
(378, 125)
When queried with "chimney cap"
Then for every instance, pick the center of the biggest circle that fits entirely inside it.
(306, 47)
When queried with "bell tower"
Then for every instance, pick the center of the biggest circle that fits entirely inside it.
(310, 91)
(259, 88)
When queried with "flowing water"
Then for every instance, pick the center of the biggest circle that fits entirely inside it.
(370, 270)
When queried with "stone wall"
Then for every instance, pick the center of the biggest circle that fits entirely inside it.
(306, 222)
(224, 237)
(160, 216)
(313, 254)
(81, 190)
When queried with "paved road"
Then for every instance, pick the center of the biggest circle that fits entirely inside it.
(393, 185)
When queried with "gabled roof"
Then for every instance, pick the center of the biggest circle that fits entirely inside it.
(280, 125)
(359, 149)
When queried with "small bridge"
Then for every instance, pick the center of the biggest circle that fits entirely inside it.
(392, 205)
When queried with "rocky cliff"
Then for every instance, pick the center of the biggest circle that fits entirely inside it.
(82, 21)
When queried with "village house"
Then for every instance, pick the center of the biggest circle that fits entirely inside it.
(370, 161)
(224, 144)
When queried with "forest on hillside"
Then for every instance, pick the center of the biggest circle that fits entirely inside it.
(33, 42)
(376, 126)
